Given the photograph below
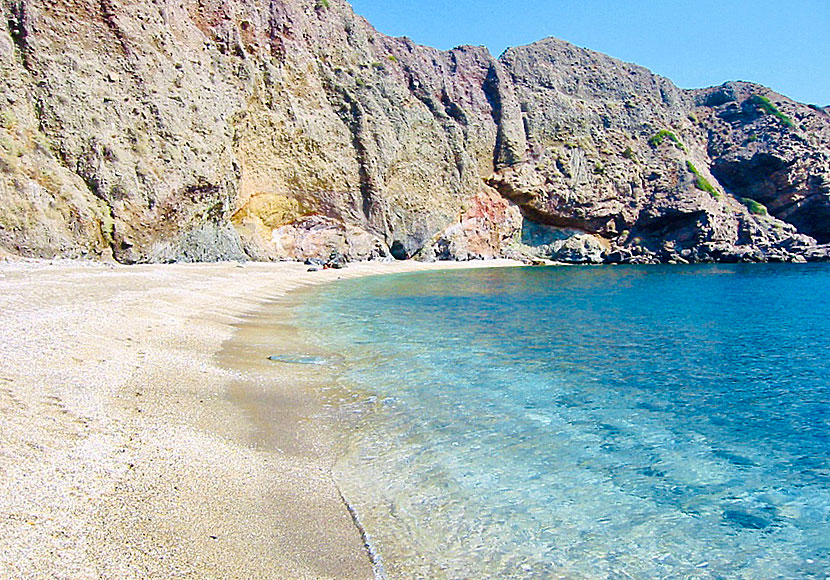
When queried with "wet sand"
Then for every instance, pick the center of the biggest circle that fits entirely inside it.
(141, 438)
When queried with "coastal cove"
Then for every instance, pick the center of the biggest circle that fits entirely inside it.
(284, 297)
(645, 422)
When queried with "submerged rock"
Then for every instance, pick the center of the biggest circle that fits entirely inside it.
(745, 520)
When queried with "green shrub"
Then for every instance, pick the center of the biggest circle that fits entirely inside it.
(393, 58)
(599, 168)
(754, 207)
(657, 139)
(322, 4)
(701, 182)
(628, 153)
(765, 105)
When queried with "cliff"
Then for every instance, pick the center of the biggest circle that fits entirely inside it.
(207, 130)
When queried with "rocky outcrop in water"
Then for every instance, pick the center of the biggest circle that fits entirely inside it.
(205, 130)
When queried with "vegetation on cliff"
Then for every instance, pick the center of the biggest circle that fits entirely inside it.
(701, 182)
(765, 105)
(657, 139)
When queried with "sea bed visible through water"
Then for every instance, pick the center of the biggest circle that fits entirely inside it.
(597, 422)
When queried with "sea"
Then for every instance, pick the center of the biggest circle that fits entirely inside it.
(614, 422)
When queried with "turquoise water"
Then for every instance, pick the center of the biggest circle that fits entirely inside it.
(616, 422)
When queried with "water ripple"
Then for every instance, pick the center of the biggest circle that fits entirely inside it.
(631, 422)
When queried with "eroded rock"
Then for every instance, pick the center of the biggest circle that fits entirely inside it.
(288, 130)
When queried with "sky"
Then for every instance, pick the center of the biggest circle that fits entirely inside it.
(784, 45)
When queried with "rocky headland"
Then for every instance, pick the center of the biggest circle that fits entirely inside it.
(204, 130)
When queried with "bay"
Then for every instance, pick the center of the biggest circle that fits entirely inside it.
(609, 422)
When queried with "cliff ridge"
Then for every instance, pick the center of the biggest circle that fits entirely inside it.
(206, 130)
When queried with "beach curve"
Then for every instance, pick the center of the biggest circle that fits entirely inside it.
(122, 454)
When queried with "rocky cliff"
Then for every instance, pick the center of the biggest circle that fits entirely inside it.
(207, 129)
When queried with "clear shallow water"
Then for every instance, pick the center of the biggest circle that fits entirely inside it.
(627, 422)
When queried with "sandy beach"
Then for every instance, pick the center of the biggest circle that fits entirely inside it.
(135, 444)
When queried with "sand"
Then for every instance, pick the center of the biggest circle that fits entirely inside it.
(139, 438)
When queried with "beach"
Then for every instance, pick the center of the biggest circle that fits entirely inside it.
(134, 445)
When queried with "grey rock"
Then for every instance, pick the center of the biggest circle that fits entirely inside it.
(580, 249)
(336, 260)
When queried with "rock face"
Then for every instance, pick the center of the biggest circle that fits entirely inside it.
(205, 130)
(661, 174)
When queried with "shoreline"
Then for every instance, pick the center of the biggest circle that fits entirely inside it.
(123, 454)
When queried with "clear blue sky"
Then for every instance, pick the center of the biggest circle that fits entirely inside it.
(784, 45)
